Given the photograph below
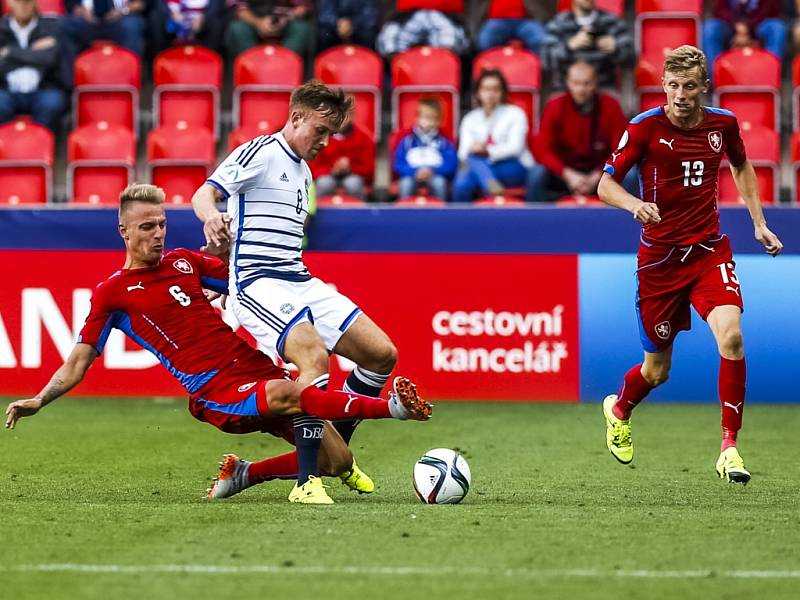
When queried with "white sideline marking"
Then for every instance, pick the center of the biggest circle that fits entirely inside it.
(366, 570)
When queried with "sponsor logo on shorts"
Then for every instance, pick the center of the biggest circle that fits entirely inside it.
(663, 330)
(715, 140)
(183, 266)
(246, 386)
(287, 308)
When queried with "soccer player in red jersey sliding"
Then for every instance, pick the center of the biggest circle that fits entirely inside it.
(157, 300)
(683, 260)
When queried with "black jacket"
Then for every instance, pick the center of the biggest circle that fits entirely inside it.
(44, 61)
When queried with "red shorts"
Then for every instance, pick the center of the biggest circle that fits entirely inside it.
(671, 278)
(235, 400)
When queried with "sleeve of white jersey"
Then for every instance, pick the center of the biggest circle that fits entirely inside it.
(242, 169)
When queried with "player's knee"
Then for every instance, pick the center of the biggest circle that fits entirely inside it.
(731, 343)
(655, 375)
(382, 359)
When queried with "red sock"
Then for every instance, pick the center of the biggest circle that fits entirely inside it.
(342, 405)
(634, 389)
(277, 467)
(732, 378)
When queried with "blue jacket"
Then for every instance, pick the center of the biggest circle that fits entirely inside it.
(417, 150)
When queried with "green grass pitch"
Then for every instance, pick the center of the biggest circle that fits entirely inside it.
(105, 499)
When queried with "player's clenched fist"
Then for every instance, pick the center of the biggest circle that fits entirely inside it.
(769, 240)
(646, 213)
(216, 229)
(21, 408)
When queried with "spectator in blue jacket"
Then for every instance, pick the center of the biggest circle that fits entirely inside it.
(425, 157)
(347, 22)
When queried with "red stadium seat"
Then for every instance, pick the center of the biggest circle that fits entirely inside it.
(796, 93)
(616, 7)
(420, 201)
(101, 159)
(239, 136)
(657, 34)
(500, 200)
(187, 82)
(107, 83)
(763, 150)
(26, 161)
(425, 71)
(263, 80)
(795, 166)
(747, 81)
(580, 201)
(522, 70)
(340, 200)
(648, 83)
(669, 6)
(179, 158)
(358, 71)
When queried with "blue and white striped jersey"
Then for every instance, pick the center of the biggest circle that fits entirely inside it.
(266, 185)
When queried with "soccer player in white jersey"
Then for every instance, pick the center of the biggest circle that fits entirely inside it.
(290, 313)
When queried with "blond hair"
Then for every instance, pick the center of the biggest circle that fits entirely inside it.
(140, 192)
(331, 102)
(685, 58)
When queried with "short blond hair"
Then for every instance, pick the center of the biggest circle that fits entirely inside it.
(141, 192)
(685, 58)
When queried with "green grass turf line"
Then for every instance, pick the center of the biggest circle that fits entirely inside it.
(121, 482)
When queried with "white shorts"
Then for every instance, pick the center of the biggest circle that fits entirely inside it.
(269, 308)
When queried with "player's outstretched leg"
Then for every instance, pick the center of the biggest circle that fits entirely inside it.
(618, 432)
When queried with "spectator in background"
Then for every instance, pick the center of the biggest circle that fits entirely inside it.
(437, 23)
(29, 58)
(507, 20)
(121, 21)
(174, 22)
(283, 22)
(347, 22)
(792, 8)
(424, 157)
(492, 142)
(348, 161)
(588, 34)
(743, 23)
(579, 129)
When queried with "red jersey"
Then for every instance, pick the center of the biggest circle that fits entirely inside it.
(164, 310)
(679, 171)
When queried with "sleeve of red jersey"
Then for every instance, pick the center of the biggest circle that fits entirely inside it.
(734, 146)
(99, 322)
(213, 271)
(629, 152)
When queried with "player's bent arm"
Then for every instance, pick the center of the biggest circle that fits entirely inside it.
(613, 194)
(63, 380)
(744, 176)
(215, 223)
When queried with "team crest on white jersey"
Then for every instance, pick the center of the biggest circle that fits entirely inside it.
(715, 141)
(663, 330)
(246, 386)
(183, 266)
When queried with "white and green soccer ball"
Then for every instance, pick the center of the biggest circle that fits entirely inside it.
(441, 476)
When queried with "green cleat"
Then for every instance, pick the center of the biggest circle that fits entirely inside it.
(357, 480)
(730, 467)
(311, 492)
(618, 432)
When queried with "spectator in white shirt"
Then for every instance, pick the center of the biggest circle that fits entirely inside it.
(492, 143)
(29, 58)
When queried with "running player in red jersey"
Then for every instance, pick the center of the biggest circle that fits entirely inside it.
(683, 260)
(157, 300)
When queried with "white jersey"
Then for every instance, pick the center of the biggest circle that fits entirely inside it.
(266, 185)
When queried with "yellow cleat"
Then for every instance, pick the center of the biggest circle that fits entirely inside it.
(730, 467)
(618, 432)
(311, 492)
(357, 480)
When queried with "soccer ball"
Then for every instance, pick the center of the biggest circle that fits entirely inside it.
(441, 476)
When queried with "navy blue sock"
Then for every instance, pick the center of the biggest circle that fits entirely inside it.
(366, 383)
(307, 440)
